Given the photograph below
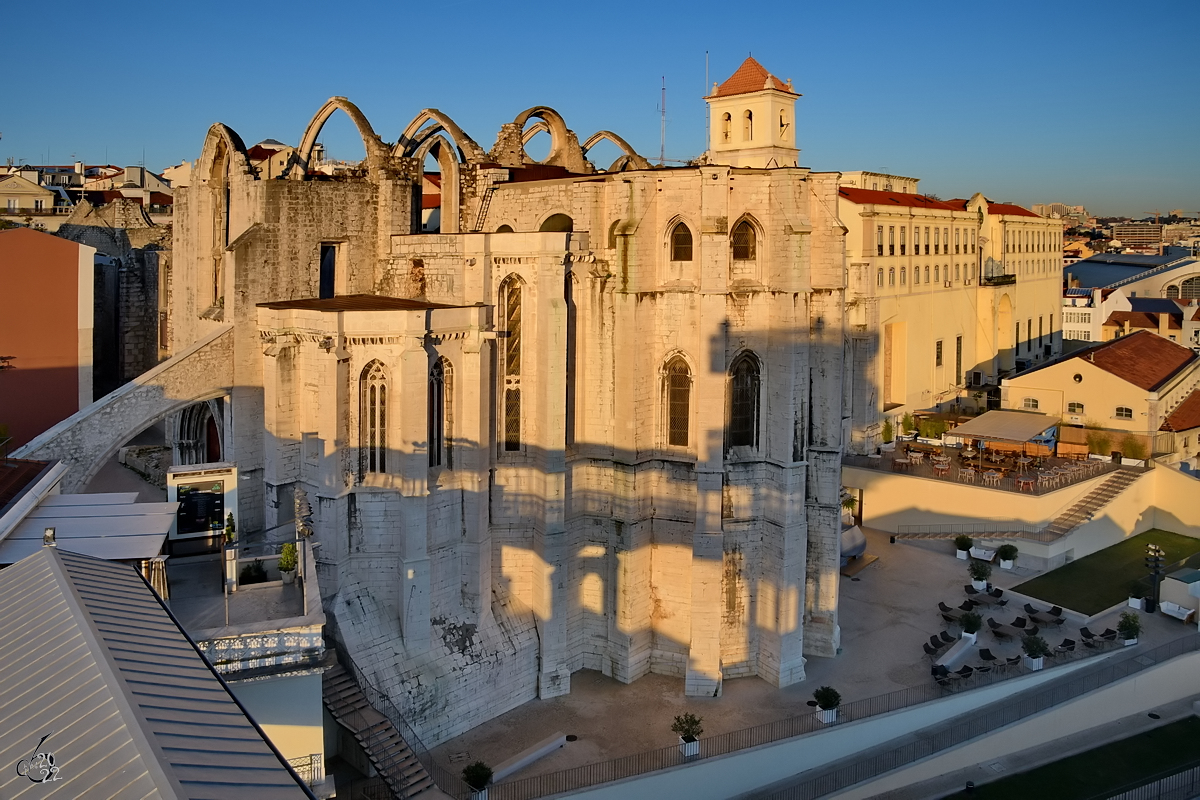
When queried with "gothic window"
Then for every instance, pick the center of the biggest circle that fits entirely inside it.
(743, 241)
(441, 385)
(747, 126)
(510, 361)
(681, 243)
(677, 397)
(372, 419)
(727, 127)
(743, 402)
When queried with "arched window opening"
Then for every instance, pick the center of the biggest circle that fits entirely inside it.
(903, 276)
(1190, 289)
(557, 223)
(783, 124)
(879, 277)
(441, 395)
(372, 419)
(891, 276)
(1124, 412)
(747, 126)
(744, 241)
(678, 396)
(510, 343)
(506, 228)
(727, 127)
(1030, 404)
(743, 403)
(916, 275)
(681, 243)
(937, 273)
(1074, 408)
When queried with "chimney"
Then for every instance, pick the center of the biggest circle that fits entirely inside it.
(78, 167)
(1164, 324)
(1125, 326)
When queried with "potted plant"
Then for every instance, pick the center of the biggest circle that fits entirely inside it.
(477, 775)
(828, 701)
(849, 504)
(688, 727)
(888, 434)
(253, 573)
(1129, 627)
(971, 623)
(908, 425)
(1036, 650)
(963, 544)
(979, 571)
(230, 529)
(287, 562)
(1007, 554)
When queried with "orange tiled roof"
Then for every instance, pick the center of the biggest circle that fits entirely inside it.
(1144, 359)
(751, 76)
(1010, 209)
(865, 196)
(1140, 319)
(1185, 416)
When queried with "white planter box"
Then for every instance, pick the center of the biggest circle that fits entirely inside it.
(970, 637)
(1006, 564)
(827, 715)
(689, 749)
(1033, 664)
(963, 554)
(1131, 642)
(480, 795)
(1137, 602)
(979, 586)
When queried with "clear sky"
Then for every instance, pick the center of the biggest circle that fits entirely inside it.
(1093, 103)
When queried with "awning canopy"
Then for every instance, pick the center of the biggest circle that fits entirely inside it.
(108, 526)
(1006, 426)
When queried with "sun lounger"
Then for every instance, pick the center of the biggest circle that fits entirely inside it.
(982, 554)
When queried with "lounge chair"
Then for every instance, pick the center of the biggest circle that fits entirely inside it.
(947, 638)
(1030, 610)
(1109, 635)
(987, 655)
(968, 605)
(1002, 632)
(1086, 634)
(943, 676)
(983, 669)
(945, 609)
(1032, 630)
(950, 619)
(964, 672)
(1055, 611)
(1013, 661)
(1020, 622)
(932, 652)
(1055, 621)
(1067, 646)
(971, 590)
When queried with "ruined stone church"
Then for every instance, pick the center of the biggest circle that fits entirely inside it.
(594, 421)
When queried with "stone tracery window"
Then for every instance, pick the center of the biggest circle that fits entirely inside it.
(681, 243)
(677, 399)
(372, 419)
(510, 311)
(744, 241)
(441, 384)
(743, 402)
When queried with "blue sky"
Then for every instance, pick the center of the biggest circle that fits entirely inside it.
(1090, 103)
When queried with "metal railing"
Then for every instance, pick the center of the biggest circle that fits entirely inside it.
(952, 733)
(447, 781)
(311, 769)
(1173, 784)
(577, 778)
(1023, 530)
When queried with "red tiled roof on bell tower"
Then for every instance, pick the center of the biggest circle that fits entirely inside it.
(751, 76)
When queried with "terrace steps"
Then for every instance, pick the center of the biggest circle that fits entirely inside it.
(1083, 510)
(391, 756)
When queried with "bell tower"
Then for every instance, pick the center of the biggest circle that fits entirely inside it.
(752, 119)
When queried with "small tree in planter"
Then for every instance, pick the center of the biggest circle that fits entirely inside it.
(1036, 650)
(288, 562)
(828, 701)
(971, 623)
(889, 432)
(979, 571)
(1007, 554)
(688, 727)
(907, 424)
(1129, 627)
(230, 529)
(963, 544)
(477, 776)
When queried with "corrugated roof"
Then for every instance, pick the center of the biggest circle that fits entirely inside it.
(94, 525)
(1144, 359)
(751, 76)
(355, 302)
(1186, 415)
(91, 660)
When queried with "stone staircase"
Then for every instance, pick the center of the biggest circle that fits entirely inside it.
(391, 756)
(1085, 509)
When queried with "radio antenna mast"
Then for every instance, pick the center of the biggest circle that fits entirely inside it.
(662, 134)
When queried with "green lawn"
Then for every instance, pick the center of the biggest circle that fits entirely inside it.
(1104, 579)
(1106, 768)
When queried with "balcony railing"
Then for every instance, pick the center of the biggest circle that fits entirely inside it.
(997, 280)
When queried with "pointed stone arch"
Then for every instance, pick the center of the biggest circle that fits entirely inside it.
(630, 159)
(222, 141)
(564, 145)
(377, 152)
(442, 149)
(428, 124)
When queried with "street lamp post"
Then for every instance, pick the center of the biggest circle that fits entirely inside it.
(1154, 563)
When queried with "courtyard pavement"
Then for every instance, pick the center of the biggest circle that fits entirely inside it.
(887, 611)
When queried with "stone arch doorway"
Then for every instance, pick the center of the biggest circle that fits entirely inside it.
(197, 434)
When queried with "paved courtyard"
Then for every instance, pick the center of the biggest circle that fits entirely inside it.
(887, 612)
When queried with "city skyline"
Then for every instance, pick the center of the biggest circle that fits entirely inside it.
(1027, 109)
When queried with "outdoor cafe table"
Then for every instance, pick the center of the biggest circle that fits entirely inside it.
(991, 477)
(1025, 482)
(1023, 460)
